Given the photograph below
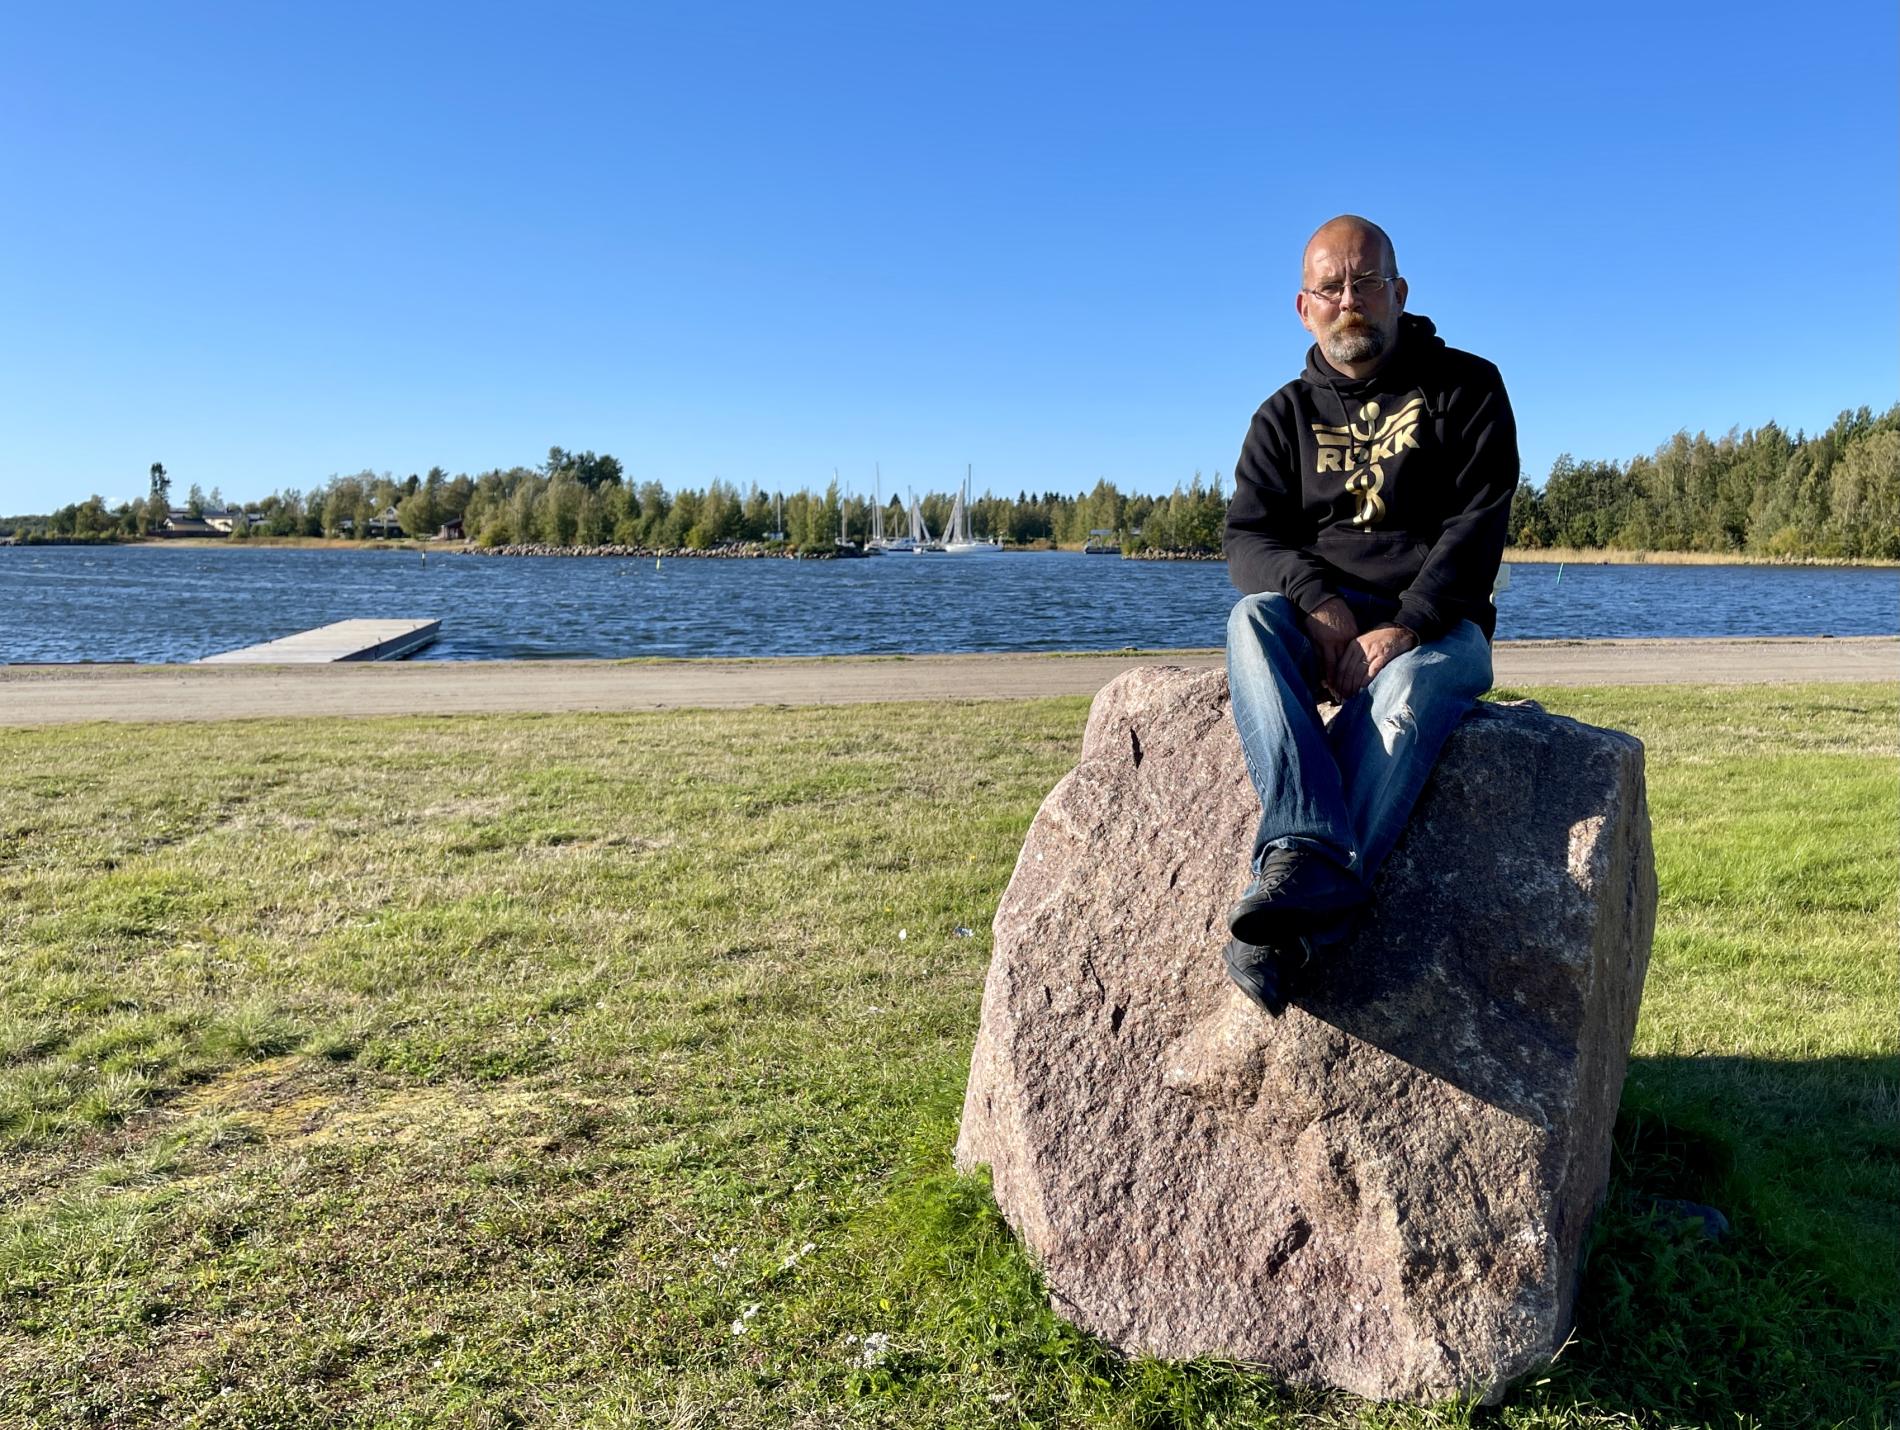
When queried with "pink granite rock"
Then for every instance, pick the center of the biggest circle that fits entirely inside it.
(1388, 1189)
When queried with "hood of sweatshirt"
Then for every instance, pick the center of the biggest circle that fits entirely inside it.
(1417, 348)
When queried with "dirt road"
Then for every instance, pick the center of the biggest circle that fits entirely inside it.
(55, 695)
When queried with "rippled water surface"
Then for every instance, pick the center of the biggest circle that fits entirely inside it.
(158, 604)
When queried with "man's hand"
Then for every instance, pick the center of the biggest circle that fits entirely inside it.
(1332, 630)
(1367, 656)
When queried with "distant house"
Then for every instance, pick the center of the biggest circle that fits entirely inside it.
(451, 530)
(210, 521)
(384, 523)
(179, 522)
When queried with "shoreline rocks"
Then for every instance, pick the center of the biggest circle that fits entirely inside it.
(746, 551)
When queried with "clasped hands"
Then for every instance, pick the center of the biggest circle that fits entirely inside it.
(1349, 657)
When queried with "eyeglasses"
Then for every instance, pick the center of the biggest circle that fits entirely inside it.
(1365, 287)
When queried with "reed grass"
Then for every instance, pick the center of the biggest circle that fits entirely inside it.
(1617, 556)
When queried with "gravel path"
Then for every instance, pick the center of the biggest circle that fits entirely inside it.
(65, 694)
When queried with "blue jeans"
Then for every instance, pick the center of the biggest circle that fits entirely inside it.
(1344, 789)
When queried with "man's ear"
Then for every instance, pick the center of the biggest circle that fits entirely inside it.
(1299, 306)
(1400, 289)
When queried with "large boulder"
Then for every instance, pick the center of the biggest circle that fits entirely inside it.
(1386, 1190)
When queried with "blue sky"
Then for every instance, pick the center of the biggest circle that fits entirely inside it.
(264, 244)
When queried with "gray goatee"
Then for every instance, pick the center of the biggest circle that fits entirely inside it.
(1360, 343)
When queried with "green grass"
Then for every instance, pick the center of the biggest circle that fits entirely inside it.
(602, 1070)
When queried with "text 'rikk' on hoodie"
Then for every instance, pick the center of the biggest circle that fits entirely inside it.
(1397, 486)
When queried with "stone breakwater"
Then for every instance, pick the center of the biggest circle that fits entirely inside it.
(743, 551)
(752, 550)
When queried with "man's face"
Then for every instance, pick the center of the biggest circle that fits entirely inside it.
(1356, 331)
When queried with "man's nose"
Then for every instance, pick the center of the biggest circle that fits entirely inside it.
(1348, 298)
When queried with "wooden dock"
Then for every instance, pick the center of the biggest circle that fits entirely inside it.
(341, 640)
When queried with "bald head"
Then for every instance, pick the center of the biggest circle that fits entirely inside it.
(1350, 294)
(1349, 232)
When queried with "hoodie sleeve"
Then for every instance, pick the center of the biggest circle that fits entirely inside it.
(1455, 582)
(1266, 525)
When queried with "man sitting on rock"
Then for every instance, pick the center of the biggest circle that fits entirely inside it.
(1371, 504)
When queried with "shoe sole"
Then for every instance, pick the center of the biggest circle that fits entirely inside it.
(1258, 923)
(1262, 981)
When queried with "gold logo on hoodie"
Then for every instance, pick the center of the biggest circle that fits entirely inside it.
(1362, 447)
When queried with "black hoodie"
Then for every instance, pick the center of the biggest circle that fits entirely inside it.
(1395, 487)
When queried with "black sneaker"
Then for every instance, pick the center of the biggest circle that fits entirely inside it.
(1295, 892)
(1266, 972)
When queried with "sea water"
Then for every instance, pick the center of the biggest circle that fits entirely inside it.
(151, 604)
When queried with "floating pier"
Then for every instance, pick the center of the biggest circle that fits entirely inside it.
(340, 640)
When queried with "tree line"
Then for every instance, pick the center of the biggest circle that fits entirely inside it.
(581, 499)
(1760, 492)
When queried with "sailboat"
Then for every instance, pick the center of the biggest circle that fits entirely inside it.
(877, 545)
(920, 542)
(957, 540)
(843, 545)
